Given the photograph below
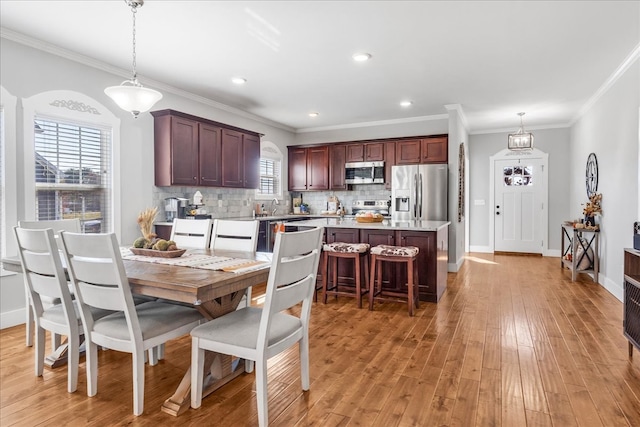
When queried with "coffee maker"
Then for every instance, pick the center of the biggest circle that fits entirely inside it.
(175, 207)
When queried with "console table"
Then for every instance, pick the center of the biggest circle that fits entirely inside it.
(631, 320)
(585, 239)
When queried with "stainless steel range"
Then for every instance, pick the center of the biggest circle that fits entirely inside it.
(375, 206)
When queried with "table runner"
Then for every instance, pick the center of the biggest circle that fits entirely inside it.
(207, 262)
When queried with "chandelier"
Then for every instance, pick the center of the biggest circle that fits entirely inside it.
(131, 96)
(520, 140)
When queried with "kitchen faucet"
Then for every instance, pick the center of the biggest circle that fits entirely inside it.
(274, 209)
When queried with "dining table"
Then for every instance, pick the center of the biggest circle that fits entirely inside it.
(213, 291)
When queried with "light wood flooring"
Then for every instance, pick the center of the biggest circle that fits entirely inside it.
(513, 342)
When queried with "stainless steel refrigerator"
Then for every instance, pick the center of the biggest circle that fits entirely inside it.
(419, 192)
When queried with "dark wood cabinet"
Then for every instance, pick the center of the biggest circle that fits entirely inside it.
(432, 261)
(192, 151)
(365, 152)
(434, 150)
(308, 168)
(389, 162)
(336, 167)
(382, 237)
(209, 155)
(631, 309)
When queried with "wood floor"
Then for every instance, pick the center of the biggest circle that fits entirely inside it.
(513, 342)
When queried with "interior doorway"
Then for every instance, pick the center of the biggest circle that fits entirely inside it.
(519, 193)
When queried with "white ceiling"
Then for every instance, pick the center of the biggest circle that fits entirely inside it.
(493, 58)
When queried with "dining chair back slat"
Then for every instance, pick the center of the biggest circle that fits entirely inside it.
(233, 235)
(191, 233)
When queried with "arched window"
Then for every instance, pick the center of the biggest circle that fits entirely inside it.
(270, 171)
(71, 142)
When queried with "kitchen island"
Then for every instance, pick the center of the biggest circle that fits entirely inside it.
(431, 237)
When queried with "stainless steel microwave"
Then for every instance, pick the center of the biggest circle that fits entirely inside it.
(364, 173)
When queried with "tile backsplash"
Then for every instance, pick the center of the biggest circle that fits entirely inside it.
(237, 202)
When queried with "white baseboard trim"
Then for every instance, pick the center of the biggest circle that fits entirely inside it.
(614, 289)
(482, 249)
(12, 318)
(552, 253)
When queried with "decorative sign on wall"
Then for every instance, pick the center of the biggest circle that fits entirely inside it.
(461, 182)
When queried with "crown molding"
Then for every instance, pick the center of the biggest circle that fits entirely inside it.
(94, 63)
(529, 128)
(375, 123)
(613, 78)
(460, 111)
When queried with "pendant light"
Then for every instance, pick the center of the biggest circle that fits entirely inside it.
(520, 140)
(131, 95)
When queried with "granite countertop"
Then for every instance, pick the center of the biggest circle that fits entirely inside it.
(281, 217)
(416, 225)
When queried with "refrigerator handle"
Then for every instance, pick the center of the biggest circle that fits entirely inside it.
(415, 196)
(420, 189)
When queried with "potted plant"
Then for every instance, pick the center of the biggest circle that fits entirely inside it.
(591, 209)
(304, 208)
(296, 208)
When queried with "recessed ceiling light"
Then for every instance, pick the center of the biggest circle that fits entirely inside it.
(406, 104)
(361, 57)
(314, 114)
(239, 80)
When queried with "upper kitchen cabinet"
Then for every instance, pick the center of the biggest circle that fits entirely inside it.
(240, 159)
(308, 168)
(389, 162)
(365, 152)
(336, 167)
(192, 151)
(431, 149)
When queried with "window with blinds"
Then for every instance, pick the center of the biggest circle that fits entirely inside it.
(73, 173)
(269, 177)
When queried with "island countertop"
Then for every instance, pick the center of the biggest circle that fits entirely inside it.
(387, 224)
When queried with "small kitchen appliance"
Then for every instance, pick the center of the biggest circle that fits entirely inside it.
(175, 207)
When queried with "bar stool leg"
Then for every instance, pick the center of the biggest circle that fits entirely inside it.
(417, 283)
(372, 280)
(358, 293)
(410, 286)
(325, 276)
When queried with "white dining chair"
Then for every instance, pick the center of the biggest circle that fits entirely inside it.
(44, 278)
(97, 272)
(191, 233)
(233, 235)
(57, 226)
(260, 333)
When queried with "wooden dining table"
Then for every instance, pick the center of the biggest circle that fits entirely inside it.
(213, 292)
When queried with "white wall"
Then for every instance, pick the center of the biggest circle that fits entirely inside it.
(555, 142)
(26, 71)
(610, 130)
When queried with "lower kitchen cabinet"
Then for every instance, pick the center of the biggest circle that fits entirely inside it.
(382, 237)
(346, 271)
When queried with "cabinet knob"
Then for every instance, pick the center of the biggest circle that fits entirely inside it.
(195, 178)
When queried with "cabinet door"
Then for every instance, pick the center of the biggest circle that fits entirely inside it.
(408, 152)
(354, 153)
(297, 169)
(434, 150)
(336, 167)
(210, 155)
(318, 168)
(184, 151)
(374, 152)
(382, 237)
(251, 151)
(389, 162)
(427, 257)
(232, 162)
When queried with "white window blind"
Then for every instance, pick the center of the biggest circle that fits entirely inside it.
(269, 177)
(73, 173)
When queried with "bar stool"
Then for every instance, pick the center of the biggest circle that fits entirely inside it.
(359, 252)
(397, 254)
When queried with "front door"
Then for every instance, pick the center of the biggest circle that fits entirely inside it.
(520, 185)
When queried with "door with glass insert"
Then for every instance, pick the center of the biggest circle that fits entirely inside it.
(519, 190)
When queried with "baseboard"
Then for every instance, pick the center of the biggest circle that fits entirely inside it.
(482, 249)
(614, 289)
(12, 318)
(552, 253)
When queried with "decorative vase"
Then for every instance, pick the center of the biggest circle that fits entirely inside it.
(589, 220)
(296, 209)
